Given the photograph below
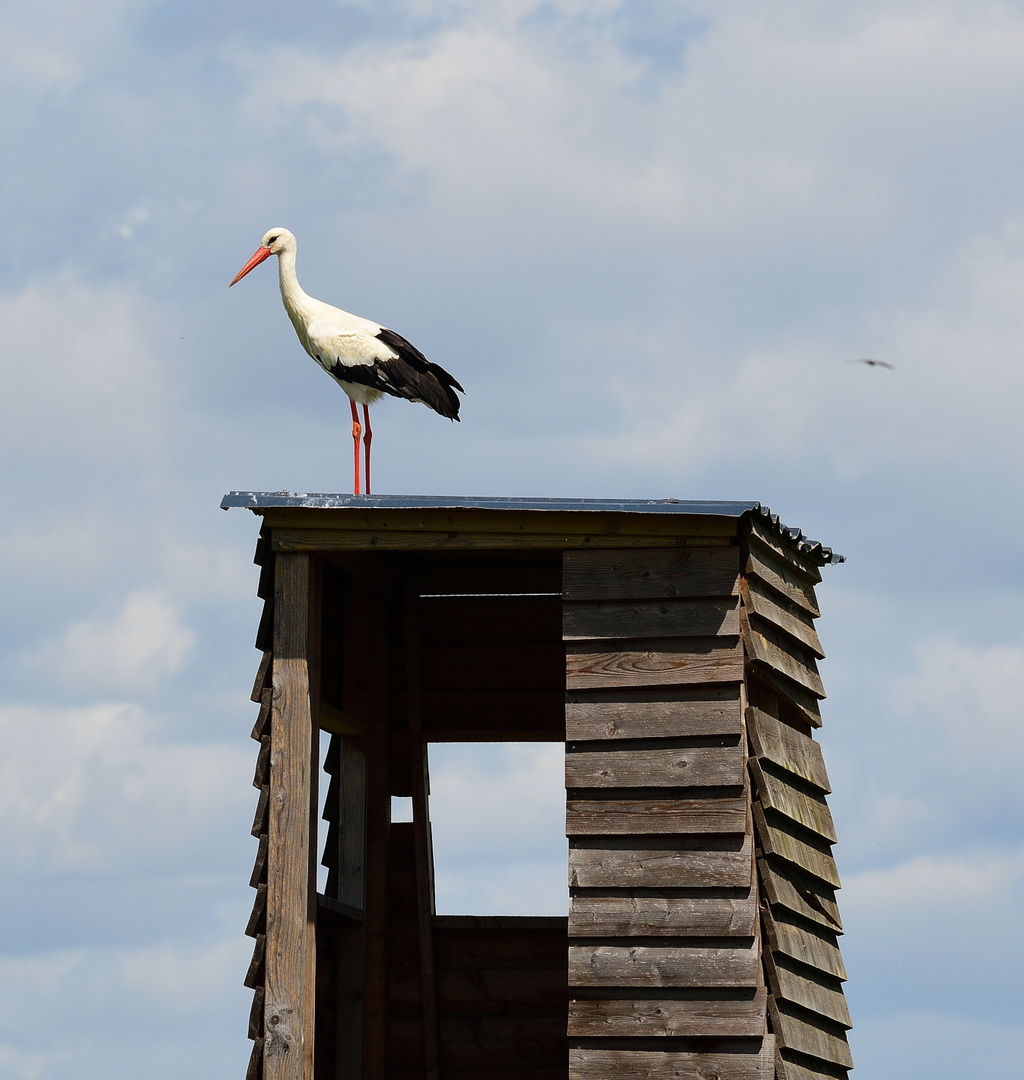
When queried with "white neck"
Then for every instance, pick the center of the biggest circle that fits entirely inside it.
(295, 300)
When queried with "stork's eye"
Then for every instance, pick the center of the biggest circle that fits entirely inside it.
(272, 240)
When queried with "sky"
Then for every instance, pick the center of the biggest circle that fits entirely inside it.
(648, 238)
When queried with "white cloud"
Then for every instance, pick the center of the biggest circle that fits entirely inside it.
(135, 649)
(99, 790)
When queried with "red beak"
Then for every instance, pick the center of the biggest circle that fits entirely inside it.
(261, 254)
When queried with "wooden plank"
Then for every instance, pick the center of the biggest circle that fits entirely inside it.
(759, 529)
(365, 696)
(262, 675)
(797, 1033)
(659, 868)
(711, 1017)
(653, 663)
(654, 817)
(650, 619)
(650, 966)
(259, 870)
(817, 951)
(760, 600)
(807, 899)
(763, 563)
(693, 766)
(590, 1064)
(259, 820)
(262, 725)
(767, 646)
(351, 833)
(424, 856)
(654, 575)
(788, 748)
(415, 540)
(644, 714)
(291, 882)
(776, 839)
(802, 701)
(255, 976)
(818, 995)
(258, 917)
(554, 525)
(655, 916)
(788, 1069)
(779, 841)
(806, 810)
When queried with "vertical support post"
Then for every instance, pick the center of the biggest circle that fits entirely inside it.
(289, 1011)
(421, 833)
(366, 672)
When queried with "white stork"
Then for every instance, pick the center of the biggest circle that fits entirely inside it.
(365, 359)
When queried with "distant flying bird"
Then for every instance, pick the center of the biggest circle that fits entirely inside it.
(365, 359)
(873, 363)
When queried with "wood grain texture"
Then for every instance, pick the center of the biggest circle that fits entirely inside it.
(654, 817)
(675, 966)
(807, 810)
(618, 619)
(661, 868)
(815, 950)
(588, 1064)
(653, 916)
(415, 540)
(262, 675)
(644, 714)
(694, 766)
(291, 854)
(763, 563)
(767, 646)
(810, 900)
(786, 747)
(769, 538)
(625, 1017)
(794, 1032)
(650, 575)
(803, 701)
(788, 1069)
(818, 995)
(764, 602)
(653, 663)
(779, 841)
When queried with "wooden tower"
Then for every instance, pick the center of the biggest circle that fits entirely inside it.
(671, 647)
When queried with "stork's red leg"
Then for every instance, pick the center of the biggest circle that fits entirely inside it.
(367, 437)
(356, 432)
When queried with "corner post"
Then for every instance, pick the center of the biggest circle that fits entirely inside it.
(291, 871)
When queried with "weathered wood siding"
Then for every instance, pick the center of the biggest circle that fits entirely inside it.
(665, 976)
(793, 828)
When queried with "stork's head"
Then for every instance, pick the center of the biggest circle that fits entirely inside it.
(275, 242)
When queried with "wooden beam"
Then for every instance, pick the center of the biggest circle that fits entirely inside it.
(590, 1064)
(670, 966)
(651, 575)
(676, 867)
(692, 766)
(289, 1010)
(648, 714)
(657, 916)
(704, 1016)
(421, 833)
(786, 747)
(652, 663)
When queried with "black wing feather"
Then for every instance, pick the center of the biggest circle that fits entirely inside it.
(411, 375)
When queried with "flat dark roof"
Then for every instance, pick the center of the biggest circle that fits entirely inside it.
(260, 500)
(269, 500)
